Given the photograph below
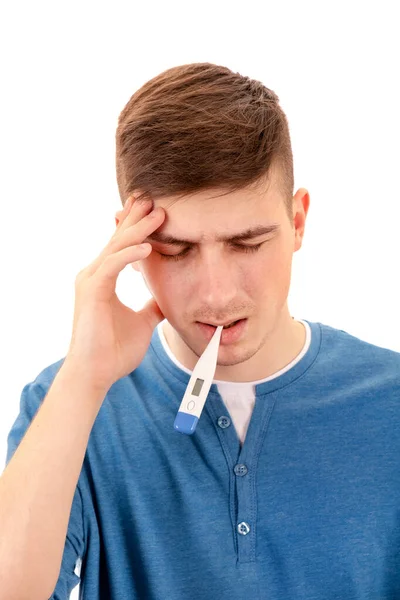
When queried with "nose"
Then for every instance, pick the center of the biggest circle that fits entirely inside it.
(216, 278)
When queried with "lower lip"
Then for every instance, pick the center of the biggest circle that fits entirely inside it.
(228, 336)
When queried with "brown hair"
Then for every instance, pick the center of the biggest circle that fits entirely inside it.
(199, 126)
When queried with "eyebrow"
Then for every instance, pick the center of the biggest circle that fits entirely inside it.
(169, 240)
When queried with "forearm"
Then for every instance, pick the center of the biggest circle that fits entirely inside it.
(38, 485)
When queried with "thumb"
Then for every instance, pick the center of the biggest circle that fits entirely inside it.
(152, 312)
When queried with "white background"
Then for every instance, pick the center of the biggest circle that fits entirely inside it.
(67, 71)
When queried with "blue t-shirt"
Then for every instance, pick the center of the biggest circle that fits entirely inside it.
(307, 509)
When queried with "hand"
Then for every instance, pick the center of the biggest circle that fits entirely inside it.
(109, 340)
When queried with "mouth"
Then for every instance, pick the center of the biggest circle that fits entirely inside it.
(231, 324)
(232, 332)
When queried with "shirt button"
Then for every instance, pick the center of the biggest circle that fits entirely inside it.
(243, 528)
(224, 422)
(240, 470)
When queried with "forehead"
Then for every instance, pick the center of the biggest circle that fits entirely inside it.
(211, 216)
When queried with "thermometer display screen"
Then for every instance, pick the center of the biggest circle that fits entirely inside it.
(197, 387)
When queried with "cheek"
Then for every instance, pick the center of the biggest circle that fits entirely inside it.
(273, 270)
(279, 263)
(161, 282)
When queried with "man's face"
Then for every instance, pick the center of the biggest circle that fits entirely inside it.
(217, 281)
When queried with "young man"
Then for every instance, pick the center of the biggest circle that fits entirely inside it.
(289, 487)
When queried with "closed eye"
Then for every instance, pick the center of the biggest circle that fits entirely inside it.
(237, 247)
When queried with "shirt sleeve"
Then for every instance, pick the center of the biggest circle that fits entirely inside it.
(32, 397)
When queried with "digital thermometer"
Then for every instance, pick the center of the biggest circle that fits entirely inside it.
(198, 387)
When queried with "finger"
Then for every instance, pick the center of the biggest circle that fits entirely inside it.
(124, 212)
(130, 236)
(105, 277)
(132, 213)
(137, 229)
